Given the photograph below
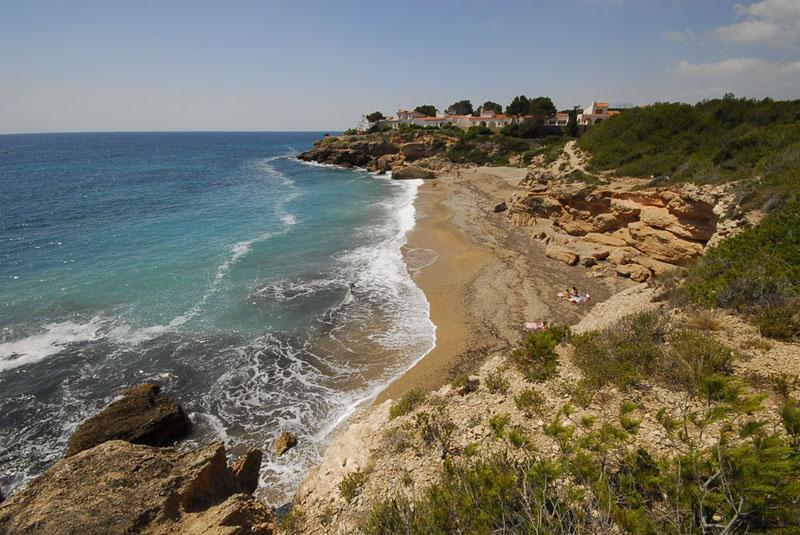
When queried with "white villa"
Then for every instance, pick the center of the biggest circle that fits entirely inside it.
(487, 118)
(595, 113)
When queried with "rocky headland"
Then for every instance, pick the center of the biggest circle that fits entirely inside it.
(115, 480)
(414, 154)
(633, 227)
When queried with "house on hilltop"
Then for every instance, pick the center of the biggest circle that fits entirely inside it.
(597, 112)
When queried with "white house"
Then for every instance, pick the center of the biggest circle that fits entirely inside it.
(487, 118)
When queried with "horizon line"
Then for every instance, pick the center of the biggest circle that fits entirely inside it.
(51, 132)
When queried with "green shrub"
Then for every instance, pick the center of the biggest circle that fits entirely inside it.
(464, 385)
(626, 353)
(410, 401)
(537, 359)
(757, 273)
(397, 439)
(474, 131)
(779, 322)
(694, 356)
(498, 495)
(292, 522)
(712, 141)
(790, 414)
(497, 383)
(530, 402)
(437, 429)
(350, 487)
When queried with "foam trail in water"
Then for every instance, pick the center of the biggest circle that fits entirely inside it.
(55, 338)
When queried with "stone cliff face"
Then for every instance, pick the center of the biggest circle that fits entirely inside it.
(384, 152)
(110, 482)
(118, 487)
(623, 224)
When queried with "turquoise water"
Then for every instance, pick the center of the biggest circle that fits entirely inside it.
(264, 293)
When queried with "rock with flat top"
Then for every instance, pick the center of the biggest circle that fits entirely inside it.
(283, 443)
(141, 416)
(121, 488)
(500, 207)
(562, 254)
(411, 172)
(634, 272)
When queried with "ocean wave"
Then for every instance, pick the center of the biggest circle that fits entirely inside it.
(54, 338)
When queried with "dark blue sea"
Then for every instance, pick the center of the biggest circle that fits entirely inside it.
(263, 293)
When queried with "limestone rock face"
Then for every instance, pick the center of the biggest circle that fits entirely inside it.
(141, 416)
(655, 228)
(634, 272)
(562, 254)
(380, 152)
(120, 488)
(283, 443)
(413, 171)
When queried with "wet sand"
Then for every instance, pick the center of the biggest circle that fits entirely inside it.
(487, 277)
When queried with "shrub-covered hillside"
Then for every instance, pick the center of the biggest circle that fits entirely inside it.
(713, 141)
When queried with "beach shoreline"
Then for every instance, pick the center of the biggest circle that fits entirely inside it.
(483, 277)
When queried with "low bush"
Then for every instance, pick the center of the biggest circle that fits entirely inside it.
(693, 358)
(757, 272)
(496, 382)
(350, 487)
(536, 359)
(410, 401)
(397, 439)
(780, 322)
(497, 495)
(623, 354)
(464, 385)
(530, 402)
(437, 429)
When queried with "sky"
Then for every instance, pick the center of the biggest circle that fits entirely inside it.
(145, 65)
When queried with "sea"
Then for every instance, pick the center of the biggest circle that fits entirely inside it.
(263, 293)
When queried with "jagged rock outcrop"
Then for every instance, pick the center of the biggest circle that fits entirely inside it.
(283, 443)
(411, 172)
(141, 416)
(392, 151)
(640, 230)
(120, 488)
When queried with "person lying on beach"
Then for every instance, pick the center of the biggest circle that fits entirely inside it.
(535, 326)
(578, 299)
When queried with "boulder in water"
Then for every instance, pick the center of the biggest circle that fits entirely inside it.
(141, 416)
(284, 443)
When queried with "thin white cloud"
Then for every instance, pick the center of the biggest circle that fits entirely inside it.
(739, 66)
(775, 22)
(678, 36)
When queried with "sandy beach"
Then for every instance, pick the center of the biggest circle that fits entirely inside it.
(486, 278)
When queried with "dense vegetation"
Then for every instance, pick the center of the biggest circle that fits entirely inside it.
(757, 144)
(711, 142)
(747, 479)
(756, 273)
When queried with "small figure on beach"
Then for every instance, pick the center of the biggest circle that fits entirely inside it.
(535, 326)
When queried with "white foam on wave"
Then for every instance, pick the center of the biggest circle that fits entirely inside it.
(54, 338)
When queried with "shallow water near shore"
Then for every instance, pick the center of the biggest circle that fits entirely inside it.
(262, 293)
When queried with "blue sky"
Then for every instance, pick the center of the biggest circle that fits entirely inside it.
(306, 65)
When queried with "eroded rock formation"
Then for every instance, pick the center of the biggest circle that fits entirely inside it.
(637, 229)
(118, 487)
(141, 416)
(393, 151)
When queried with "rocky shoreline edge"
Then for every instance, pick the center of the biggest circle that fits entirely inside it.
(121, 474)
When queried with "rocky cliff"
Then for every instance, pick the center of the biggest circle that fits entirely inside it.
(106, 485)
(415, 153)
(626, 225)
